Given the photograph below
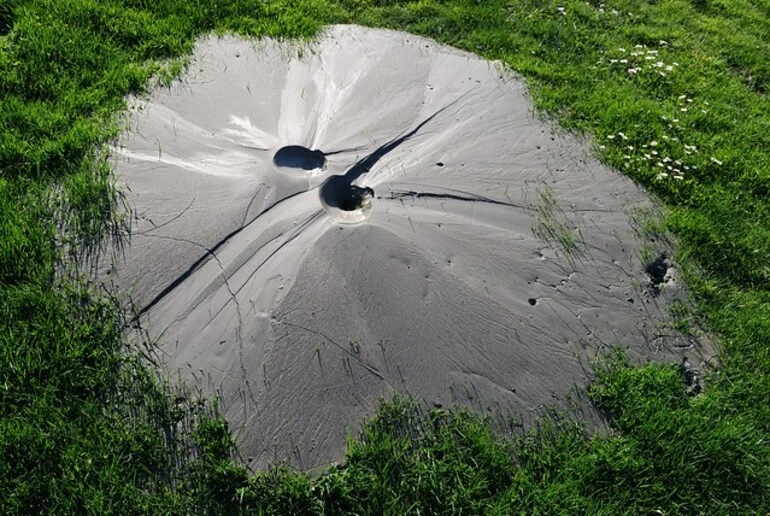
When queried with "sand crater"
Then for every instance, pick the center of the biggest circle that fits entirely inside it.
(299, 157)
(345, 202)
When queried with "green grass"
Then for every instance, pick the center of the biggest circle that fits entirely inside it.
(552, 226)
(86, 426)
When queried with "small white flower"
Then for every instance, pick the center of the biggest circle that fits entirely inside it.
(683, 110)
(679, 177)
(714, 160)
(653, 143)
(610, 136)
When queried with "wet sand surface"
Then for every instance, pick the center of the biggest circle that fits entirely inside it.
(319, 226)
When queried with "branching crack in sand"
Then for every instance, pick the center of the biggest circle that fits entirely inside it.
(366, 164)
(248, 207)
(209, 254)
(342, 348)
(171, 220)
(295, 233)
(397, 195)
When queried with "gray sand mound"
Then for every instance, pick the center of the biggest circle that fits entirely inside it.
(318, 227)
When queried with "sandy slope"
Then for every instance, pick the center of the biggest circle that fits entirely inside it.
(448, 285)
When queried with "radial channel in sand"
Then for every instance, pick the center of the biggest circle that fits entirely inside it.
(299, 157)
(249, 179)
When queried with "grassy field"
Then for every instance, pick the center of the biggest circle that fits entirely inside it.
(673, 92)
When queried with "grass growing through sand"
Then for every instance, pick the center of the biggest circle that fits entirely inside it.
(675, 94)
(552, 226)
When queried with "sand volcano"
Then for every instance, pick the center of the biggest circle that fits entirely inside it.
(317, 229)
